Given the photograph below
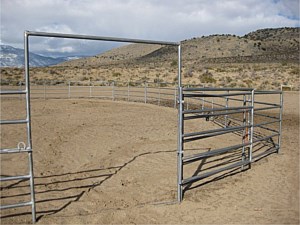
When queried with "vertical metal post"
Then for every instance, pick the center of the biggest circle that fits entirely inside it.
(212, 107)
(280, 122)
(180, 131)
(251, 125)
(175, 98)
(244, 130)
(226, 106)
(28, 118)
(203, 101)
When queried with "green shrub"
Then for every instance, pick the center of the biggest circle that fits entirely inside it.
(173, 63)
(207, 78)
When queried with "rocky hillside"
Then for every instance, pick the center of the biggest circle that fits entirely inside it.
(263, 59)
(266, 45)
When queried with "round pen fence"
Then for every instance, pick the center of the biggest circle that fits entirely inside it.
(249, 121)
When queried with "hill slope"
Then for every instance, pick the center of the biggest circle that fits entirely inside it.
(266, 45)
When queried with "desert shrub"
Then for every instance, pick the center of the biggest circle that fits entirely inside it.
(228, 79)
(83, 78)
(173, 63)
(248, 83)
(158, 80)
(116, 74)
(232, 84)
(207, 78)
(295, 71)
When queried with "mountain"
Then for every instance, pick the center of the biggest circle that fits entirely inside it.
(263, 59)
(14, 57)
(265, 45)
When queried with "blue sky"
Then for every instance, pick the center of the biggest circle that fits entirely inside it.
(169, 20)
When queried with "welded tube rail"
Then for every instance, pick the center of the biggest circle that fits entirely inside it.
(214, 131)
(266, 108)
(12, 92)
(211, 115)
(14, 150)
(8, 178)
(15, 205)
(257, 92)
(196, 157)
(217, 89)
(4, 122)
(210, 173)
(216, 109)
(98, 38)
(266, 103)
(215, 95)
(210, 133)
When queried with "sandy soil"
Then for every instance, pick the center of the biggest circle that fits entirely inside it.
(104, 162)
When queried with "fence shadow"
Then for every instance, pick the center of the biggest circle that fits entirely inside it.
(217, 162)
(66, 187)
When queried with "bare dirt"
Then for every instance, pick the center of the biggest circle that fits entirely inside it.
(104, 162)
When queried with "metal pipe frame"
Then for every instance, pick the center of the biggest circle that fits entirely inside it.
(216, 89)
(215, 95)
(27, 34)
(193, 92)
(98, 38)
(180, 131)
(217, 109)
(280, 123)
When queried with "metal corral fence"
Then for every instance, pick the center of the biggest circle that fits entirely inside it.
(164, 94)
(254, 117)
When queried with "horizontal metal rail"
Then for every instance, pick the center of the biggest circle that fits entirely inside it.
(15, 205)
(217, 109)
(267, 92)
(208, 134)
(211, 115)
(14, 150)
(12, 92)
(266, 123)
(265, 138)
(3, 122)
(267, 128)
(208, 174)
(272, 117)
(217, 89)
(236, 99)
(266, 103)
(99, 38)
(214, 95)
(266, 108)
(213, 131)
(23, 177)
(196, 157)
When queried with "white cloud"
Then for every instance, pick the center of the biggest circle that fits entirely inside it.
(172, 20)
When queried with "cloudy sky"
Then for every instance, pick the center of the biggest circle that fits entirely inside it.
(168, 20)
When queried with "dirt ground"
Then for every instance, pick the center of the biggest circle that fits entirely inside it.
(104, 162)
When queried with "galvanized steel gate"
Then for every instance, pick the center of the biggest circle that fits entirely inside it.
(246, 124)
